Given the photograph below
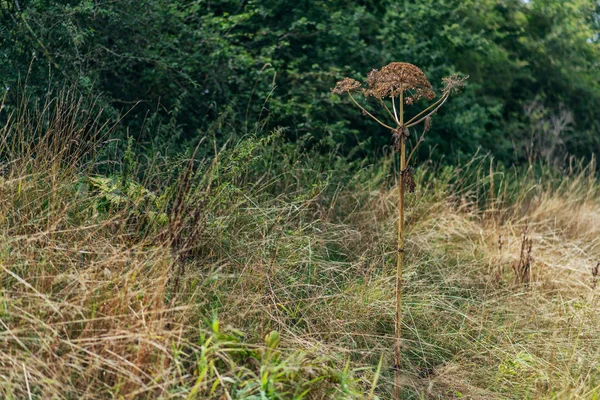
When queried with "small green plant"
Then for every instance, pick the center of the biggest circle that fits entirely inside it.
(111, 195)
(405, 84)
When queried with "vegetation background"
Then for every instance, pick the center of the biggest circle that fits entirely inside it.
(187, 211)
(175, 67)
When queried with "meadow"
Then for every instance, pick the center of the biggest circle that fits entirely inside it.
(263, 272)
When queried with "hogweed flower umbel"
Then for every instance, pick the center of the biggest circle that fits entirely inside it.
(346, 85)
(397, 78)
(406, 84)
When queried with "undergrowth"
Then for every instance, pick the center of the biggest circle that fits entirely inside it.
(265, 274)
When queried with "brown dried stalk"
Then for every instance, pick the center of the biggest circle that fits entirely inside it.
(595, 274)
(522, 268)
(408, 84)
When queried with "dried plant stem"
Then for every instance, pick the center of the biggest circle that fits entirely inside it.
(440, 103)
(386, 108)
(398, 331)
(394, 80)
(492, 193)
(369, 114)
(436, 103)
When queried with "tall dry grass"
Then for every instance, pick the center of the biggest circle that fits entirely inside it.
(263, 274)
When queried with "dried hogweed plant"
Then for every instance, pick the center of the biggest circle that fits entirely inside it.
(395, 86)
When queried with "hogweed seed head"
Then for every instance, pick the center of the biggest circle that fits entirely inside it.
(454, 83)
(346, 85)
(407, 83)
(397, 78)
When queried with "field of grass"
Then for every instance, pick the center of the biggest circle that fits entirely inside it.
(265, 274)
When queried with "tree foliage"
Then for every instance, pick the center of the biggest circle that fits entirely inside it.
(173, 69)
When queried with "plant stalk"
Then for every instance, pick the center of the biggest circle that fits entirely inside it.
(397, 331)
(369, 114)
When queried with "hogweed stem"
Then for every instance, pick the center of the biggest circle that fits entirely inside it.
(399, 285)
(369, 114)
